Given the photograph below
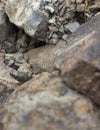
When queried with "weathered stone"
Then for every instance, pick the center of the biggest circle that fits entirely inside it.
(45, 102)
(9, 47)
(7, 83)
(5, 77)
(28, 15)
(42, 59)
(80, 62)
(26, 68)
(2, 24)
(19, 75)
(72, 27)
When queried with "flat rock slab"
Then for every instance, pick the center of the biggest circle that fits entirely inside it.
(80, 62)
(45, 102)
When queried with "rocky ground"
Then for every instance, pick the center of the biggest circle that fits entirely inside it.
(49, 64)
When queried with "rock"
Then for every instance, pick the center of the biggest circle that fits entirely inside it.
(7, 83)
(21, 42)
(80, 62)
(11, 62)
(72, 27)
(28, 15)
(19, 75)
(2, 24)
(15, 60)
(9, 47)
(26, 68)
(5, 92)
(5, 77)
(18, 57)
(42, 59)
(45, 102)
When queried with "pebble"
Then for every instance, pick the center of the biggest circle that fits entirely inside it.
(72, 27)
(20, 76)
(11, 62)
(26, 68)
(65, 37)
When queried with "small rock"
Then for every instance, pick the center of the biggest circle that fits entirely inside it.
(21, 42)
(20, 76)
(72, 27)
(53, 28)
(9, 47)
(65, 37)
(51, 9)
(26, 68)
(11, 62)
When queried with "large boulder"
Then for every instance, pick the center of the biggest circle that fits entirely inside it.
(29, 16)
(80, 62)
(45, 102)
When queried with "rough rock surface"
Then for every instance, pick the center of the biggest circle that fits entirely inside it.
(45, 102)
(80, 52)
(80, 63)
(50, 20)
(7, 83)
(2, 24)
(28, 15)
(42, 59)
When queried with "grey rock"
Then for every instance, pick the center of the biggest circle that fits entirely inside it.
(2, 24)
(9, 47)
(20, 76)
(72, 27)
(5, 77)
(28, 15)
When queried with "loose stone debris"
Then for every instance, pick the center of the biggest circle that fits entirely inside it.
(49, 64)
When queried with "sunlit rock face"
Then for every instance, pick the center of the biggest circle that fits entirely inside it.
(29, 16)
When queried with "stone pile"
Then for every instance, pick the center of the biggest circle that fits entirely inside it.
(55, 86)
(50, 21)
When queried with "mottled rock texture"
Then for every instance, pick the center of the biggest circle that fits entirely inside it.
(2, 24)
(28, 15)
(49, 20)
(80, 63)
(45, 102)
(79, 59)
(7, 83)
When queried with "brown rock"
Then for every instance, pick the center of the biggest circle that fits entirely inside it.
(45, 102)
(42, 59)
(80, 63)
